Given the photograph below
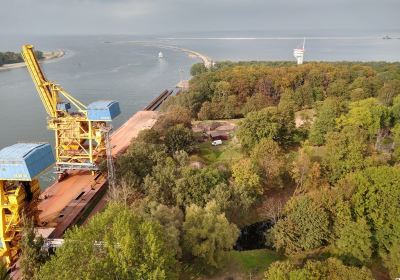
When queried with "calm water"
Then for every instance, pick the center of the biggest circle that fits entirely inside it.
(114, 67)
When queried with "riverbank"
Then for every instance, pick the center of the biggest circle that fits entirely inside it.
(46, 57)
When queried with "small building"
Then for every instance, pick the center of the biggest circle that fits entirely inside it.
(218, 135)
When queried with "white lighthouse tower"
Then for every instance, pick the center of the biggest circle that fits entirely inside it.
(299, 53)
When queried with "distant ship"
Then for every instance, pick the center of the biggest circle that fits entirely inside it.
(386, 37)
(299, 53)
(160, 55)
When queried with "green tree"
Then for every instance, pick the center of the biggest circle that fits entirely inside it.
(32, 254)
(115, 244)
(392, 259)
(170, 218)
(191, 100)
(375, 198)
(179, 138)
(327, 112)
(269, 157)
(266, 123)
(160, 183)
(245, 176)
(368, 115)
(303, 96)
(332, 269)
(223, 195)
(279, 270)
(287, 101)
(198, 69)
(337, 88)
(138, 161)
(195, 184)
(208, 234)
(396, 141)
(395, 108)
(354, 242)
(304, 227)
(246, 185)
(4, 272)
(346, 151)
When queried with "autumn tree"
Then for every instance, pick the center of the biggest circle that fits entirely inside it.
(172, 116)
(389, 90)
(307, 174)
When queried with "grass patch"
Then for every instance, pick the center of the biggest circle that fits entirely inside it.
(236, 265)
(253, 261)
(227, 152)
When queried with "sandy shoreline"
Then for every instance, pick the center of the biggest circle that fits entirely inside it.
(47, 56)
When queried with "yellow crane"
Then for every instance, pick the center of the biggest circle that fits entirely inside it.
(20, 167)
(80, 131)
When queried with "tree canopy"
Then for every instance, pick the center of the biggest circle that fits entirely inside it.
(115, 244)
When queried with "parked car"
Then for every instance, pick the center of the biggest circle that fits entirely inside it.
(216, 142)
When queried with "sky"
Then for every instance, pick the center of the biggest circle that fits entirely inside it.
(62, 17)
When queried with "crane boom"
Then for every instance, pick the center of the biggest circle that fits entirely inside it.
(43, 87)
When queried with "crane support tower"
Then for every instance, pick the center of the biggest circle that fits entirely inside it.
(80, 140)
(20, 167)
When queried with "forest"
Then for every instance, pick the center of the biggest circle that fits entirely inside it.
(12, 57)
(316, 153)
